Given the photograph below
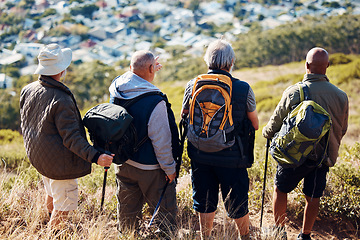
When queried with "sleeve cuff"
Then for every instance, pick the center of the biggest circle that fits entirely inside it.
(95, 158)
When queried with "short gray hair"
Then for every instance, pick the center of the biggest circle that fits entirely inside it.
(219, 55)
(141, 60)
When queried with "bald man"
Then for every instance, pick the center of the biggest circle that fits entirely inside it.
(143, 176)
(333, 100)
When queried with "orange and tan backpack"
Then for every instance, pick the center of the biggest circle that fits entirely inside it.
(211, 124)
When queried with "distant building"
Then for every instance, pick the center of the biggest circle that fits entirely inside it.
(29, 49)
(83, 55)
(44, 4)
(8, 57)
(5, 81)
(29, 23)
(88, 44)
(101, 4)
(30, 36)
(110, 46)
(98, 33)
(4, 28)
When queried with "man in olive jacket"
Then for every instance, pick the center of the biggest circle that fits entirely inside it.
(335, 102)
(54, 136)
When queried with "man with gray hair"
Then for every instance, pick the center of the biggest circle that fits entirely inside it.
(143, 176)
(222, 168)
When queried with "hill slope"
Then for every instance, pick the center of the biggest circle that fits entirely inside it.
(22, 215)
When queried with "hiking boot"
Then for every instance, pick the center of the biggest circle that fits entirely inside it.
(303, 236)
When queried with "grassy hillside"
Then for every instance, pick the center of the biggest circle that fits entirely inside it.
(22, 215)
(290, 42)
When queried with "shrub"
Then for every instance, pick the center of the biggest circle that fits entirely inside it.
(342, 195)
(345, 73)
(339, 58)
(9, 136)
(12, 151)
(268, 104)
(9, 110)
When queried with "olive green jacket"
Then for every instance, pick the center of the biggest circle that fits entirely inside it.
(54, 136)
(331, 98)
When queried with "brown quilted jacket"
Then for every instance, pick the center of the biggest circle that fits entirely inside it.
(53, 133)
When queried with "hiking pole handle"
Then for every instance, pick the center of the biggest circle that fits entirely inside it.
(264, 185)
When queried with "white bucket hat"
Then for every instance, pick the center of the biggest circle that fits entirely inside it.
(53, 60)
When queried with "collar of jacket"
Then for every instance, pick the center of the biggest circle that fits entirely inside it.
(219, 71)
(51, 82)
(315, 77)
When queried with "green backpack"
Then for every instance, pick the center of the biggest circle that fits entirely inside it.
(301, 131)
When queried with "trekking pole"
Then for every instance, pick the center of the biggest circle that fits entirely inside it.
(158, 204)
(263, 191)
(103, 189)
(183, 132)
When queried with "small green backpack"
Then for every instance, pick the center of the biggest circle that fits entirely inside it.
(301, 131)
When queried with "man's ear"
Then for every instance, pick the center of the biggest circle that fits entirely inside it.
(307, 65)
(151, 68)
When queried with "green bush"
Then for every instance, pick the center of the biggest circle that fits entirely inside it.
(186, 164)
(290, 42)
(342, 195)
(339, 58)
(345, 73)
(12, 151)
(85, 10)
(27, 177)
(9, 110)
(268, 104)
(9, 136)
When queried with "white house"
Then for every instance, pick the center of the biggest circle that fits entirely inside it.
(142, 45)
(209, 8)
(153, 7)
(219, 18)
(28, 23)
(9, 57)
(110, 46)
(5, 81)
(29, 49)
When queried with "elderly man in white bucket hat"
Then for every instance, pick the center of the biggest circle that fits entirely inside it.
(54, 135)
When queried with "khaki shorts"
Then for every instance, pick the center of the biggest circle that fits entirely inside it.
(63, 192)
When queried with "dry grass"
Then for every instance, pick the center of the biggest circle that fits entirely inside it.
(24, 216)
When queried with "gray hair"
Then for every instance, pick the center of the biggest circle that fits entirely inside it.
(141, 60)
(219, 55)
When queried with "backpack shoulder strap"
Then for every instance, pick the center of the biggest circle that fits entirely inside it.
(134, 100)
(304, 91)
(130, 102)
